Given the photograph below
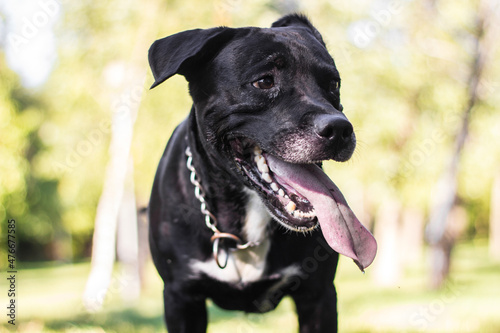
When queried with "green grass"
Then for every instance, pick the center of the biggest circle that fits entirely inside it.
(50, 301)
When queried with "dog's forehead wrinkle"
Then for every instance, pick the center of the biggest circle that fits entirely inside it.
(270, 52)
(268, 45)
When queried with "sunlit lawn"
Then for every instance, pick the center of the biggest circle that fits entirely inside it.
(49, 301)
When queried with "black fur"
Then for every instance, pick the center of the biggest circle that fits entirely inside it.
(298, 119)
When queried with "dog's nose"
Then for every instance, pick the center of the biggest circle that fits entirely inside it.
(333, 127)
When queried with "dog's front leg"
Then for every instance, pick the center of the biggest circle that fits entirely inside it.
(317, 312)
(184, 315)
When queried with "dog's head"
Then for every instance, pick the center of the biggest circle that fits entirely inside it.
(268, 100)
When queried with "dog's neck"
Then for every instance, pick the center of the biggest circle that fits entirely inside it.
(225, 193)
(233, 213)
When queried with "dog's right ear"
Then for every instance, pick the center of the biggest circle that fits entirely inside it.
(184, 52)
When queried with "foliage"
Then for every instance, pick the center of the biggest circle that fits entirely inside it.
(26, 195)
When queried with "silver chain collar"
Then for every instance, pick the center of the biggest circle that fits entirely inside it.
(210, 219)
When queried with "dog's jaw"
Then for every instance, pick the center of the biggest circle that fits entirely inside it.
(301, 197)
(283, 202)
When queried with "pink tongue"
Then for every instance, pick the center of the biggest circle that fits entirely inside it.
(341, 229)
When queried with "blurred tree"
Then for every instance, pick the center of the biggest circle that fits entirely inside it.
(116, 218)
(446, 187)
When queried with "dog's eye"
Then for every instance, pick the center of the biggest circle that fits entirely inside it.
(334, 87)
(266, 82)
(334, 91)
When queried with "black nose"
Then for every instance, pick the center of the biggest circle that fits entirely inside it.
(333, 128)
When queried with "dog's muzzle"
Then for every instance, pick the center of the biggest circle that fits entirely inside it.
(301, 196)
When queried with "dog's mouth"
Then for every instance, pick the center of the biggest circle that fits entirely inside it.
(301, 197)
(289, 207)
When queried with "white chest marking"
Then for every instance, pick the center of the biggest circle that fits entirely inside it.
(257, 218)
(248, 265)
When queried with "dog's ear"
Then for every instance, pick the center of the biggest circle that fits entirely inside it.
(298, 20)
(184, 52)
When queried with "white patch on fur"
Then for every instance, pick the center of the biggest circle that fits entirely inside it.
(248, 265)
(257, 218)
(243, 266)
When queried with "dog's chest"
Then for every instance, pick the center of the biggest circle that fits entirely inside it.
(243, 266)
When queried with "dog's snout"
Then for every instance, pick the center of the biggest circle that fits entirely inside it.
(333, 128)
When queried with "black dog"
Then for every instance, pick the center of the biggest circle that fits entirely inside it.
(245, 168)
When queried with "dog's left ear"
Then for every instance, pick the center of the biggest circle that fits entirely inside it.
(301, 21)
(185, 52)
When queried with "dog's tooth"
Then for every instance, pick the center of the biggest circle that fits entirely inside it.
(267, 177)
(308, 214)
(262, 165)
(257, 151)
(281, 192)
(275, 187)
(300, 214)
(290, 207)
(258, 159)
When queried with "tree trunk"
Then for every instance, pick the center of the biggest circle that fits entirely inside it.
(441, 252)
(124, 106)
(446, 188)
(104, 241)
(127, 240)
